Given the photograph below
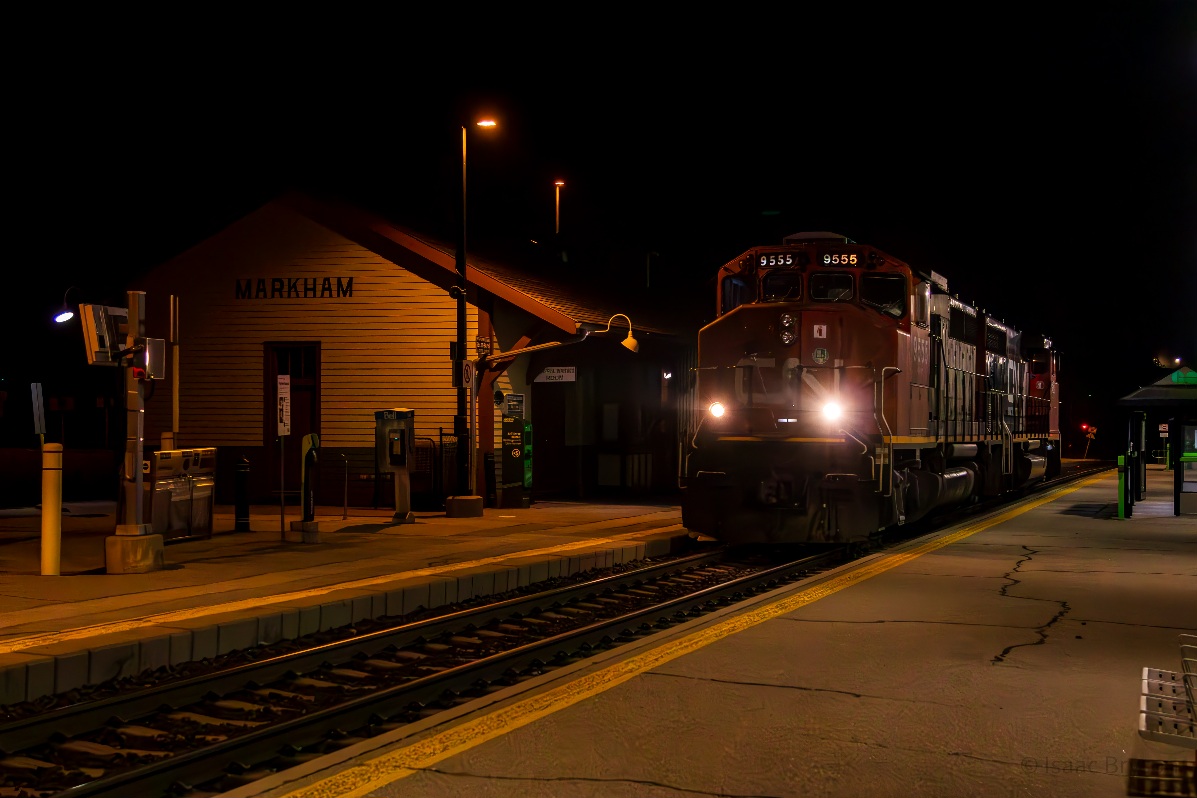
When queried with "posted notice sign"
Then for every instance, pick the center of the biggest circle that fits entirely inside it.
(558, 374)
(515, 405)
(284, 404)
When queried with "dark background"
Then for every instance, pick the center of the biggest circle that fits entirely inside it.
(1040, 156)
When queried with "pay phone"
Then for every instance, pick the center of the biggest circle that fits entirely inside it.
(395, 439)
(398, 447)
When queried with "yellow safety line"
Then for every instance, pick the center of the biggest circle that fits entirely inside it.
(740, 438)
(46, 638)
(882, 439)
(357, 781)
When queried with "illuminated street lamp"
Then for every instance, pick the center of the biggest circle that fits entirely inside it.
(558, 184)
(463, 368)
(66, 314)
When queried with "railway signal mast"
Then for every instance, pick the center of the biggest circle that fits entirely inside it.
(1090, 436)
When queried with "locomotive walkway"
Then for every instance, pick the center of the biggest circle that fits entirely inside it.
(1001, 658)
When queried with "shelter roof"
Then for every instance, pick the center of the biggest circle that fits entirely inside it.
(1177, 390)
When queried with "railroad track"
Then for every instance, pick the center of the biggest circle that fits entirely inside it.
(209, 733)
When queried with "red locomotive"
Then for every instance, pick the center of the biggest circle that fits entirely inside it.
(842, 392)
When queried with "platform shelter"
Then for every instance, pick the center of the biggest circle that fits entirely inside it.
(1175, 398)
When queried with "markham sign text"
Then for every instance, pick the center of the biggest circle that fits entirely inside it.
(295, 288)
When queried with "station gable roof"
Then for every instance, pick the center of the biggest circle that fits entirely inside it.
(562, 306)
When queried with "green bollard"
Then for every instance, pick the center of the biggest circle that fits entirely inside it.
(1121, 486)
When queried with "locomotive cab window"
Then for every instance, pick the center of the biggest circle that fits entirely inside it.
(922, 304)
(886, 292)
(781, 286)
(735, 291)
(831, 287)
(1039, 361)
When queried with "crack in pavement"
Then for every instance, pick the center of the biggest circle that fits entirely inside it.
(592, 780)
(802, 688)
(1040, 631)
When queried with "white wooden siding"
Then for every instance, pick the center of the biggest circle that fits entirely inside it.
(385, 346)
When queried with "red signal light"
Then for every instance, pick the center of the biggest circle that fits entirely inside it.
(1084, 426)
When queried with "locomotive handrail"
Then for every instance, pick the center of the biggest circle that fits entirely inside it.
(884, 487)
(1007, 447)
(937, 394)
(864, 448)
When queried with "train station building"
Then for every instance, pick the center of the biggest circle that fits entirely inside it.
(357, 313)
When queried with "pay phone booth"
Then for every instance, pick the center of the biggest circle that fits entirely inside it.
(395, 445)
(180, 493)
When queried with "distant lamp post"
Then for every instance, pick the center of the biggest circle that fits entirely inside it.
(66, 314)
(461, 422)
(558, 184)
(629, 343)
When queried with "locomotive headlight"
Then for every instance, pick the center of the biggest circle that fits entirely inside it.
(832, 411)
(785, 323)
(717, 409)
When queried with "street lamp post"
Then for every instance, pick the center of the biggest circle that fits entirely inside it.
(557, 204)
(461, 421)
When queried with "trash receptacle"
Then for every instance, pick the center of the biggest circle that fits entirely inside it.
(181, 493)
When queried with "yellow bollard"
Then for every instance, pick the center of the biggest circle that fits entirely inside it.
(51, 509)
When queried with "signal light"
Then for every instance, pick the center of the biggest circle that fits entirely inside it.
(1084, 426)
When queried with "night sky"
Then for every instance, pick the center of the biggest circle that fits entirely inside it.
(1040, 156)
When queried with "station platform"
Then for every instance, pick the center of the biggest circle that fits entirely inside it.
(1001, 657)
(234, 590)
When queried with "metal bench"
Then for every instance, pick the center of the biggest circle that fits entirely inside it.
(1168, 714)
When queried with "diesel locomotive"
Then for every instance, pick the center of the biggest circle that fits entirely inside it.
(842, 392)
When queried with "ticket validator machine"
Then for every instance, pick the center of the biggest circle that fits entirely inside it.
(395, 443)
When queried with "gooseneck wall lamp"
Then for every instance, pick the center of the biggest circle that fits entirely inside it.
(66, 314)
(629, 343)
